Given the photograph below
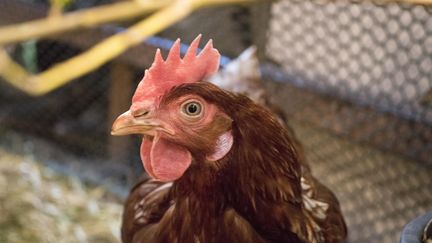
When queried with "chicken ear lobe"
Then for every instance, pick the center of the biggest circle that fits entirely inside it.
(223, 146)
(164, 160)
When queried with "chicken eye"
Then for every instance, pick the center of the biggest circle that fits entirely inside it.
(192, 108)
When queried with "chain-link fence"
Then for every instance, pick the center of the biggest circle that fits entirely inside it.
(351, 76)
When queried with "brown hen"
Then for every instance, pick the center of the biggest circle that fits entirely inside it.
(223, 168)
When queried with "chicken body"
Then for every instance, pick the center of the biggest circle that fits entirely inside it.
(254, 194)
(242, 176)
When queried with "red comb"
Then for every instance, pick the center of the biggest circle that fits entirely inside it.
(163, 75)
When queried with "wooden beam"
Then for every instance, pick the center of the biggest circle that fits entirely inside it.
(120, 92)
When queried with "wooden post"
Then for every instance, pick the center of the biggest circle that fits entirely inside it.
(120, 93)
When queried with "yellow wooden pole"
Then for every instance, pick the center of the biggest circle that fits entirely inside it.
(14, 73)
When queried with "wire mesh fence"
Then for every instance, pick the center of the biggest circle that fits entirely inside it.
(378, 55)
(371, 65)
(349, 75)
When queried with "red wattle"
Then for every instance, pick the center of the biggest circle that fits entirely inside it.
(164, 160)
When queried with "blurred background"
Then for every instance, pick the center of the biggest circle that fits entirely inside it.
(353, 77)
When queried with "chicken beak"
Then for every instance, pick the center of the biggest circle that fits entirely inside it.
(127, 124)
